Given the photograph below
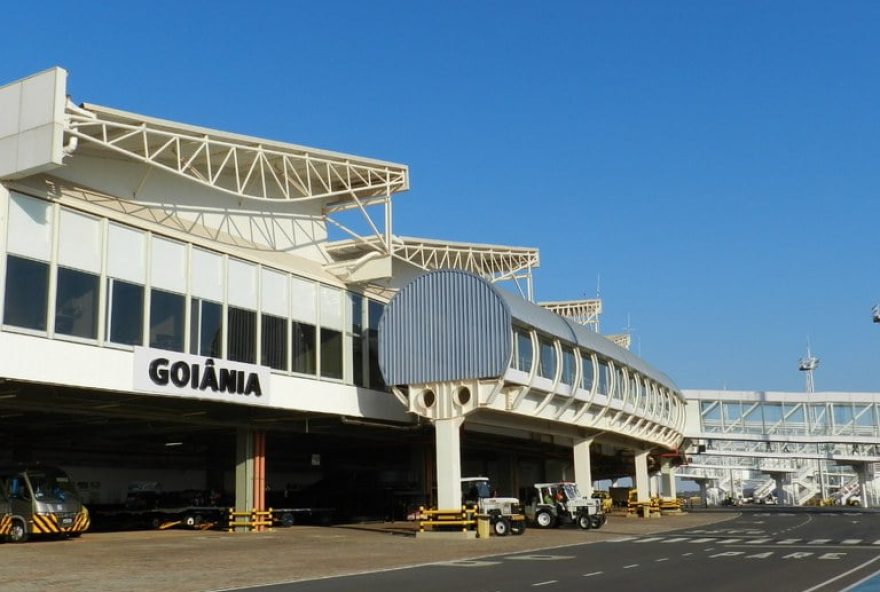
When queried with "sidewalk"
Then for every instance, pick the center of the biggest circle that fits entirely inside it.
(193, 561)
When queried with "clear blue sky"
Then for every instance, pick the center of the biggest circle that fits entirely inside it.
(717, 163)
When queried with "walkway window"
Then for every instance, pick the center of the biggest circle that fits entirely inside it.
(206, 328)
(273, 346)
(818, 419)
(547, 368)
(587, 377)
(125, 312)
(76, 304)
(619, 384)
(523, 355)
(303, 347)
(843, 418)
(166, 320)
(604, 377)
(568, 367)
(27, 293)
(636, 388)
(866, 424)
(241, 341)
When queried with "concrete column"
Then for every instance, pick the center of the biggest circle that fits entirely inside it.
(667, 477)
(244, 470)
(643, 493)
(583, 474)
(250, 470)
(704, 492)
(783, 493)
(448, 445)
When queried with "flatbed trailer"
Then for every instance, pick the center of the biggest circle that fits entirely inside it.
(291, 516)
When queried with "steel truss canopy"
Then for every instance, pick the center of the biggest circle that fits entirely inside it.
(583, 312)
(494, 263)
(243, 166)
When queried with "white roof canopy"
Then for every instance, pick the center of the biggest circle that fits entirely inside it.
(244, 166)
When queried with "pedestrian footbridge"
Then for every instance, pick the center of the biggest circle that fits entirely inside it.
(806, 446)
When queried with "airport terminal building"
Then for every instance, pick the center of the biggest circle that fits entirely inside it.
(176, 314)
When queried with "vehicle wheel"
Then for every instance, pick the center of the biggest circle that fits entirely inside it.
(595, 522)
(192, 520)
(287, 519)
(74, 535)
(584, 522)
(544, 519)
(501, 527)
(18, 533)
(518, 527)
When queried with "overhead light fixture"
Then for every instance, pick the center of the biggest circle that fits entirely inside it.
(169, 444)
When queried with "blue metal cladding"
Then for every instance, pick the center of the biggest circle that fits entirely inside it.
(442, 326)
(452, 325)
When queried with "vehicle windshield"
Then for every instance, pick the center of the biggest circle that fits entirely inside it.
(51, 486)
(477, 490)
(571, 490)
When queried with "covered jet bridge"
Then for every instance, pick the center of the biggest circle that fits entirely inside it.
(453, 346)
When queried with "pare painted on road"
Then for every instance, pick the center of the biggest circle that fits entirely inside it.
(778, 555)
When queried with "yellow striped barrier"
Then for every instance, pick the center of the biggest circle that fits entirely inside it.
(464, 518)
(253, 519)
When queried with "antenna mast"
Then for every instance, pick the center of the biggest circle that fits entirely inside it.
(807, 365)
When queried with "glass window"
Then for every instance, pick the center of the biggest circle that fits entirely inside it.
(27, 293)
(206, 328)
(619, 386)
(568, 368)
(273, 351)
(357, 339)
(331, 353)
(843, 415)
(636, 387)
(523, 351)
(604, 377)
(166, 320)
(302, 345)
(587, 378)
(241, 343)
(547, 367)
(374, 312)
(76, 304)
(125, 312)
(710, 411)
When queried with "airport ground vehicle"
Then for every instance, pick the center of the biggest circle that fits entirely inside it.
(555, 504)
(505, 513)
(43, 500)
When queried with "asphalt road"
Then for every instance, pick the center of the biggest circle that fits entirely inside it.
(775, 549)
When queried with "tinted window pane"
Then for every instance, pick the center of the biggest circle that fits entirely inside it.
(374, 311)
(302, 343)
(27, 289)
(547, 361)
(273, 352)
(523, 351)
(242, 346)
(76, 304)
(126, 312)
(208, 328)
(166, 320)
(357, 339)
(331, 353)
(587, 378)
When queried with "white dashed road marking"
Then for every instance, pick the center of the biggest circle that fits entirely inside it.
(592, 573)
